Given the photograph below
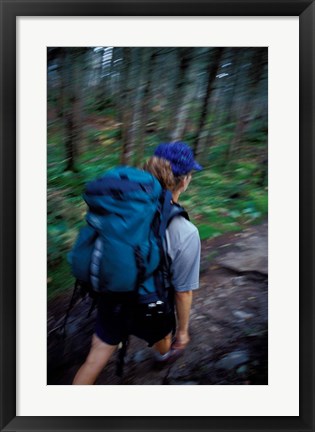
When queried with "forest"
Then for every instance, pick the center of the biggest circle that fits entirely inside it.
(113, 105)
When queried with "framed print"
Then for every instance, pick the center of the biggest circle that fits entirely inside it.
(286, 29)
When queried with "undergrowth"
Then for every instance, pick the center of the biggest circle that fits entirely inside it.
(221, 198)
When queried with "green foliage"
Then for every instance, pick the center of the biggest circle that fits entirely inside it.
(65, 206)
(207, 231)
(112, 134)
(101, 106)
(219, 199)
(59, 279)
(228, 195)
(218, 202)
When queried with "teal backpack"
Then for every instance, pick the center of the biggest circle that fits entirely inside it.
(120, 250)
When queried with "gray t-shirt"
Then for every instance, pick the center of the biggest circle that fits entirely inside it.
(183, 248)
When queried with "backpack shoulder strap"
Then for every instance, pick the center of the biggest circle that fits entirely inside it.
(166, 209)
(169, 211)
(176, 210)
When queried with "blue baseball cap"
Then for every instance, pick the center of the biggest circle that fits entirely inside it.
(180, 155)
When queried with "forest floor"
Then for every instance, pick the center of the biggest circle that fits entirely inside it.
(228, 326)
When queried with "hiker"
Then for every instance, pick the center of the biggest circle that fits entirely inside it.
(172, 165)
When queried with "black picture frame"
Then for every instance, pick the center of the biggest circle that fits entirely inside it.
(305, 9)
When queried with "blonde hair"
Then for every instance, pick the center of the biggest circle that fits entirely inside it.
(162, 170)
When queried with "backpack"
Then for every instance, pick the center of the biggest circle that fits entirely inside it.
(120, 250)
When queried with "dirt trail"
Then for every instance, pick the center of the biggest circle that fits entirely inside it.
(228, 326)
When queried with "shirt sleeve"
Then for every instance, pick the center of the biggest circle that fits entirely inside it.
(184, 251)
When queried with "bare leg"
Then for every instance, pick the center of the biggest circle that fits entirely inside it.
(95, 362)
(164, 345)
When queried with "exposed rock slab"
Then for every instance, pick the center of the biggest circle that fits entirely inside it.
(249, 254)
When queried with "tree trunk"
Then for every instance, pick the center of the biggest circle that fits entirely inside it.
(248, 112)
(148, 61)
(105, 74)
(240, 128)
(164, 76)
(185, 57)
(135, 97)
(118, 83)
(111, 72)
(61, 98)
(126, 108)
(72, 70)
(237, 61)
(182, 116)
(213, 67)
(70, 142)
(99, 80)
(69, 92)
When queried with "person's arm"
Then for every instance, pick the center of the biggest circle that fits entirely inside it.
(183, 301)
(185, 278)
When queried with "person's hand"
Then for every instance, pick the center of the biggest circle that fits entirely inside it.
(181, 340)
